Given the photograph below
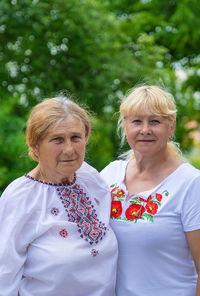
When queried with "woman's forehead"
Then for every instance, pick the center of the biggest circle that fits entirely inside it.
(144, 113)
(70, 123)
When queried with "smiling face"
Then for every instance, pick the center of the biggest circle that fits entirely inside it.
(148, 134)
(62, 151)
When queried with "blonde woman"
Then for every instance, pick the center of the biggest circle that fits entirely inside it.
(55, 237)
(155, 210)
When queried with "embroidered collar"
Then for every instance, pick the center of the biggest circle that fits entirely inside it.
(52, 184)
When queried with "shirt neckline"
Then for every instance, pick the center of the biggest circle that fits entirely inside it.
(51, 184)
(154, 188)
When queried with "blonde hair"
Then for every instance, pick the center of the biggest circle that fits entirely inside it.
(47, 114)
(149, 99)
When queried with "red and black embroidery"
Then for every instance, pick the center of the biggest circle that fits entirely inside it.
(55, 211)
(94, 252)
(63, 233)
(81, 211)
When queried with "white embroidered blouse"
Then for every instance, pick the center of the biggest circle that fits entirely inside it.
(154, 256)
(56, 239)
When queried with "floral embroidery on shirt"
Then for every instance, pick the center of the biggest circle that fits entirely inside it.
(116, 209)
(139, 208)
(94, 252)
(55, 211)
(134, 211)
(63, 233)
(81, 211)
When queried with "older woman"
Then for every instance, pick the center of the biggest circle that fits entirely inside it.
(55, 238)
(155, 210)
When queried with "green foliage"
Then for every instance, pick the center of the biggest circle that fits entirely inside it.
(104, 142)
(173, 38)
(193, 158)
(96, 50)
(55, 45)
(14, 160)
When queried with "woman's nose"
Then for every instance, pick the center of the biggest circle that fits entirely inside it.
(68, 148)
(145, 128)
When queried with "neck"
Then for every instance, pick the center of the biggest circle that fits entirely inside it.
(147, 163)
(44, 176)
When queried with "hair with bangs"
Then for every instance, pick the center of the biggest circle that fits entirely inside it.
(148, 100)
(152, 100)
(48, 114)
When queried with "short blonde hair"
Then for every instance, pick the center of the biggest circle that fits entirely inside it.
(149, 99)
(47, 114)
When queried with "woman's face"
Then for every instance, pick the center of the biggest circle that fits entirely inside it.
(148, 134)
(62, 151)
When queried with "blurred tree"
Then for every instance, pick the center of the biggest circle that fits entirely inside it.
(175, 30)
(46, 47)
(14, 158)
(96, 50)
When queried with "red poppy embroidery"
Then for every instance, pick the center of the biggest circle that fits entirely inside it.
(63, 233)
(142, 199)
(158, 197)
(151, 207)
(149, 198)
(139, 208)
(94, 252)
(120, 193)
(55, 211)
(134, 211)
(116, 209)
(114, 188)
(117, 192)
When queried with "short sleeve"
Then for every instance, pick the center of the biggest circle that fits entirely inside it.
(191, 207)
(16, 232)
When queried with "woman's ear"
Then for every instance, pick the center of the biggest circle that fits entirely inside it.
(35, 150)
(172, 127)
(124, 127)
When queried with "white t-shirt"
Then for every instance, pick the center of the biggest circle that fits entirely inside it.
(154, 257)
(55, 240)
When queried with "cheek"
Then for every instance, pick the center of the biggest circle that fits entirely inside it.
(168, 133)
(53, 151)
(131, 133)
(81, 149)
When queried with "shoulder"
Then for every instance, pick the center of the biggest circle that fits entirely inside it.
(115, 165)
(16, 187)
(187, 183)
(115, 171)
(89, 176)
(87, 171)
(91, 182)
(189, 173)
(20, 193)
(21, 206)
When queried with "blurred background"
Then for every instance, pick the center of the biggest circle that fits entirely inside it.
(96, 50)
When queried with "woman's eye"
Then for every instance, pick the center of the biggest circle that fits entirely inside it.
(137, 121)
(57, 140)
(155, 121)
(76, 138)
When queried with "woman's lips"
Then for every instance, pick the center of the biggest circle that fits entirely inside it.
(67, 160)
(146, 141)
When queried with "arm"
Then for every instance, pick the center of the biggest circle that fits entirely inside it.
(193, 238)
(15, 234)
